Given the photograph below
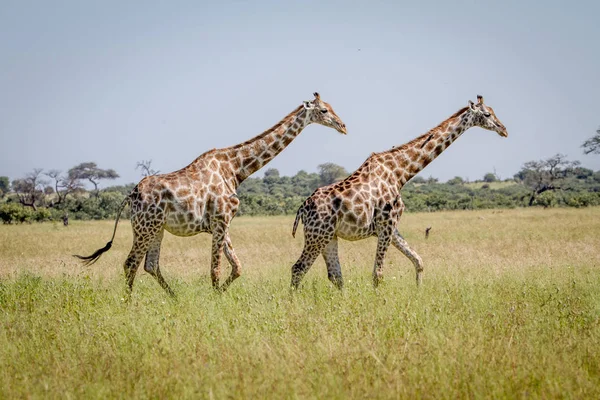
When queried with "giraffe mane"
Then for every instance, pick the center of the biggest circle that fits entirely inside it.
(285, 119)
(427, 134)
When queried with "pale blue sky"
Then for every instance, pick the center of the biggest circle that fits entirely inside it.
(118, 82)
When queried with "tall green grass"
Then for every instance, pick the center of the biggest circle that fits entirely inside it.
(510, 308)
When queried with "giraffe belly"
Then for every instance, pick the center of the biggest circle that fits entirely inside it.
(354, 232)
(185, 224)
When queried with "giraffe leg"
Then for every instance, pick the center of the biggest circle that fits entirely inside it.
(332, 260)
(151, 265)
(132, 263)
(236, 267)
(306, 260)
(383, 243)
(401, 244)
(218, 242)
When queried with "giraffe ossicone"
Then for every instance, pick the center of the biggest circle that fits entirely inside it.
(201, 197)
(368, 203)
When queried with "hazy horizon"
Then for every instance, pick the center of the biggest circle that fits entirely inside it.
(116, 83)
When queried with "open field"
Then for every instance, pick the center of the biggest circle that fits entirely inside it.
(510, 308)
(492, 185)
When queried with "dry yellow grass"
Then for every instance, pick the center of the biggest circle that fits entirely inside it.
(510, 307)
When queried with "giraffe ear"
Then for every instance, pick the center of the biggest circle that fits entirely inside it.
(471, 105)
(308, 105)
(479, 99)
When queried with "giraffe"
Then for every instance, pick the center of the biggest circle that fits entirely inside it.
(368, 202)
(201, 197)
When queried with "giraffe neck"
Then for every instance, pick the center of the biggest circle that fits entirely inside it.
(251, 155)
(242, 160)
(415, 155)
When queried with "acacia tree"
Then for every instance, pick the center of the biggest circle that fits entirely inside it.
(145, 166)
(490, 177)
(330, 173)
(30, 190)
(592, 145)
(89, 171)
(63, 185)
(545, 175)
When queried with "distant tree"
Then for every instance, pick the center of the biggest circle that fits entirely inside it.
(330, 173)
(271, 176)
(145, 166)
(545, 175)
(489, 177)
(431, 179)
(30, 189)
(582, 173)
(63, 185)
(592, 145)
(418, 179)
(304, 183)
(457, 180)
(89, 171)
(4, 186)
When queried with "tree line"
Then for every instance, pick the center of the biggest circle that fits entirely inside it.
(556, 181)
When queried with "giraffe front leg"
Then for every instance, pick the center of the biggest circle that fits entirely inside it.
(218, 242)
(332, 261)
(236, 267)
(383, 242)
(412, 255)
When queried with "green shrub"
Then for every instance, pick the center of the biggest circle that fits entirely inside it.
(13, 213)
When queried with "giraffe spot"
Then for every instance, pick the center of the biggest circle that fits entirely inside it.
(184, 192)
(254, 165)
(221, 156)
(336, 203)
(351, 218)
(411, 153)
(413, 168)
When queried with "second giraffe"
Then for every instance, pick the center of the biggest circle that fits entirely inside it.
(368, 202)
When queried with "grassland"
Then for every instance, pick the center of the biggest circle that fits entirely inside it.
(510, 308)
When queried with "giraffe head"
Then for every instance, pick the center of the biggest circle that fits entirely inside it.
(485, 117)
(321, 113)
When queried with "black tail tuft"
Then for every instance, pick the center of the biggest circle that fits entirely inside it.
(89, 260)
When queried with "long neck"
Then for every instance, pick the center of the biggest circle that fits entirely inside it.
(253, 154)
(415, 155)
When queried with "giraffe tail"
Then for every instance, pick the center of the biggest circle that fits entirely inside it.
(299, 215)
(89, 260)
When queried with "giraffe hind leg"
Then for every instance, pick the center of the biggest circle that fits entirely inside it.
(332, 261)
(151, 265)
(401, 244)
(133, 261)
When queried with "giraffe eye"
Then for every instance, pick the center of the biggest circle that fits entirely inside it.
(324, 111)
(487, 115)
